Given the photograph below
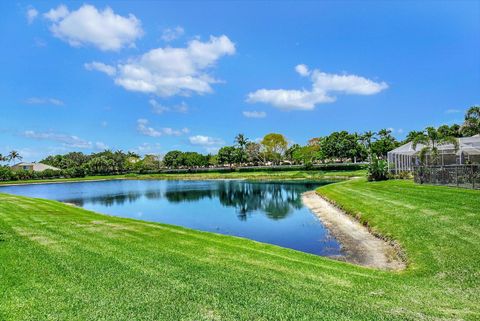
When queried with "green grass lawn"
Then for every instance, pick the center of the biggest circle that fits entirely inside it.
(260, 175)
(59, 262)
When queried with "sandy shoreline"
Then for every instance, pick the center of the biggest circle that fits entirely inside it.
(358, 244)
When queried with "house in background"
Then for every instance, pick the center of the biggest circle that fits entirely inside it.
(405, 157)
(35, 167)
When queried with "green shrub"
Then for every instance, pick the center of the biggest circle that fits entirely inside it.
(6, 174)
(377, 169)
(402, 175)
(74, 172)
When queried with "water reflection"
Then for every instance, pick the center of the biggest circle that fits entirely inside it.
(107, 200)
(275, 200)
(266, 212)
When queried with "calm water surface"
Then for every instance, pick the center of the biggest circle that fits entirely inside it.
(266, 212)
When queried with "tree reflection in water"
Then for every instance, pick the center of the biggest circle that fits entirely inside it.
(107, 199)
(275, 200)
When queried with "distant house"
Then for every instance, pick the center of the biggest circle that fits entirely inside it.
(36, 167)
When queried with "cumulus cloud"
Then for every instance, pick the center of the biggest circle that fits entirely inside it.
(254, 114)
(44, 101)
(175, 71)
(323, 84)
(171, 34)
(302, 70)
(210, 144)
(158, 108)
(32, 14)
(89, 26)
(70, 141)
(56, 14)
(100, 66)
(204, 140)
(144, 129)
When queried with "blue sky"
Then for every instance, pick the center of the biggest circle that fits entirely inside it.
(157, 76)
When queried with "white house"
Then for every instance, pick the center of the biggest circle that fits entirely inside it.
(36, 167)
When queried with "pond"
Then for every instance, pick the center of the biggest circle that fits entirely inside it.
(268, 212)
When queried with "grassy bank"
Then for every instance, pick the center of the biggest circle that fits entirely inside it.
(60, 262)
(260, 175)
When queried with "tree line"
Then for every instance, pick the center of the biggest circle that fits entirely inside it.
(272, 149)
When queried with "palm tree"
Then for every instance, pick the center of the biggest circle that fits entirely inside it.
(13, 155)
(471, 126)
(241, 141)
(2, 158)
(432, 140)
(384, 133)
(412, 135)
(367, 139)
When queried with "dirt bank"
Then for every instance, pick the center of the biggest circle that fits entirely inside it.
(358, 244)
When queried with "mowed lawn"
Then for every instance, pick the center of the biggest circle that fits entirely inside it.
(59, 262)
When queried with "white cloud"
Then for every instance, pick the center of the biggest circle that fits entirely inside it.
(32, 14)
(181, 108)
(205, 140)
(171, 34)
(210, 144)
(302, 70)
(174, 132)
(158, 108)
(143, 128)
(70, 141)
(452, 111)
(100, 66)
(147, 148)
(175, 71)
(322, 85)
(289, 99)
(100, 146)
(254, 114)
(56, 14)
(88, 26)
(44, 101)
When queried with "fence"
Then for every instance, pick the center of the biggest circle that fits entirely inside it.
(465, 176)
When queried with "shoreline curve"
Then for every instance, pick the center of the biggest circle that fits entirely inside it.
(359, 246)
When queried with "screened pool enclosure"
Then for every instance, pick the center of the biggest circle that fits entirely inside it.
(405, 158)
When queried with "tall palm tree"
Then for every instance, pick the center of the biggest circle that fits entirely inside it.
(241, 141)
(2, 158)
(13, 155)
(384, 133)
(432, 140)
(471, 126)
(413, 134)
(367, 139)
